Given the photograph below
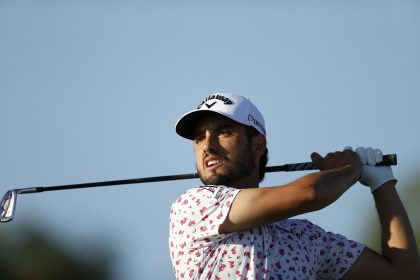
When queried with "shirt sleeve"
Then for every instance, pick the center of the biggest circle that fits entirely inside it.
(336, 254)
(199, 212)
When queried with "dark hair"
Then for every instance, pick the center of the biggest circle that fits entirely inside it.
(252, 132)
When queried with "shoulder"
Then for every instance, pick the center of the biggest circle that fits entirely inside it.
(203, 194)
(208, 191)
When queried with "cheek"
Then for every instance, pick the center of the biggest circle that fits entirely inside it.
(197, 155)
(233, 148)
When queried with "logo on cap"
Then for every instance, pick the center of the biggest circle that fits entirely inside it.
(211, 105)
(256, 122)
(222, 98)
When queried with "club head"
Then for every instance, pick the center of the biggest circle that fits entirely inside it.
(7, 206)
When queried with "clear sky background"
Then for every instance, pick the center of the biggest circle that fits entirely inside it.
(91, 90)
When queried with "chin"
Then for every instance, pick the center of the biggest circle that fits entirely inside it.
(217, 180)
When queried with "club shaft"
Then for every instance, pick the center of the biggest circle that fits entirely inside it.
(109, 183)
(390, 159)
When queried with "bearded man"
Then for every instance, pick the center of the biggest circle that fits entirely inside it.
(230, 228)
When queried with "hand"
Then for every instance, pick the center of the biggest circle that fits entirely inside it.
(338, 160)
(373, 176)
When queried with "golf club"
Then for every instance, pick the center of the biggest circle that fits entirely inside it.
(8, 202)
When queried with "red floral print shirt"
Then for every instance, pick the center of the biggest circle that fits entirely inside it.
(289, 249)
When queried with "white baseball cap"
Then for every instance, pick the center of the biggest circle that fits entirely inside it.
(235, 107)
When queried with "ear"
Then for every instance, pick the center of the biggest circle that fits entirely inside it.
(259, 144)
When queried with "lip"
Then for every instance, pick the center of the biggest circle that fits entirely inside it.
(214, 166)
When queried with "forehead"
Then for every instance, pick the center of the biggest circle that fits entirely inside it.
(214, 121)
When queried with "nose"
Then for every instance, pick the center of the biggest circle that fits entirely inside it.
(210, 142)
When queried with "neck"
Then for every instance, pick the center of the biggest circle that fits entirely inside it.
(251, 181)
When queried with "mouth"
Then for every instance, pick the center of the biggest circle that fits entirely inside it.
(212, 163)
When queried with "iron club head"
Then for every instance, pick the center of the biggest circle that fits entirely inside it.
(7, 206)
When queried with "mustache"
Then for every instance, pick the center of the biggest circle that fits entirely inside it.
(214, 154)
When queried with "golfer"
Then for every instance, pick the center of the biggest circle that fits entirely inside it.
(229, 228)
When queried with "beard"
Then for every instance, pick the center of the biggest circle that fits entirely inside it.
(241, 167)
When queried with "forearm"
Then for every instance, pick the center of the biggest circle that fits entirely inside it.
(327, 186)
(309, 193)
(398, 242)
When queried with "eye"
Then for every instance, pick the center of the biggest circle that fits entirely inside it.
(199, 137)
(224, 132)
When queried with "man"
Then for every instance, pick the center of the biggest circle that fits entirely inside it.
(232, 229)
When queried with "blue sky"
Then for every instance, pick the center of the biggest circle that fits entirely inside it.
(91, 90)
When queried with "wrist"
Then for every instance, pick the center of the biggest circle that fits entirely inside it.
(391, 182)
(355, 172)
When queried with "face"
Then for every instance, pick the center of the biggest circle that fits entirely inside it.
(223, 152)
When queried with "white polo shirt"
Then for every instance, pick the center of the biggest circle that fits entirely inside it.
(289, 249)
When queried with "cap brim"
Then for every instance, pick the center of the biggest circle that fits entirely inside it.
(186, 124)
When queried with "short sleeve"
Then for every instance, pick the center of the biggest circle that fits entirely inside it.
(336, 254)
(199, 212)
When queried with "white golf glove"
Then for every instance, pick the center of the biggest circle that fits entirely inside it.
(373, 176)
